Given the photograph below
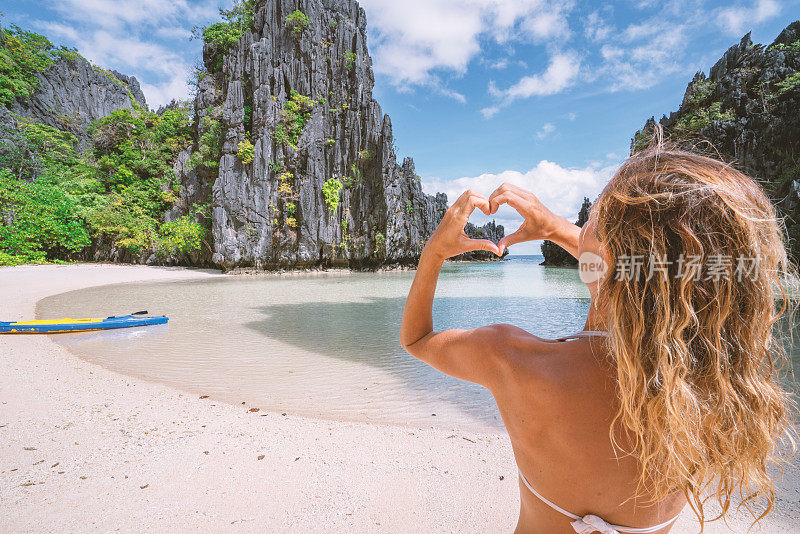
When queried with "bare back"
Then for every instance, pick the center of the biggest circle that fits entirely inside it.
(557, 403)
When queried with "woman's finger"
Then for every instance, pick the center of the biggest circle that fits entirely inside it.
(519, 236)
(499, 191)
(469, 200)
(480, 202)
(507, 197)
(481, 244)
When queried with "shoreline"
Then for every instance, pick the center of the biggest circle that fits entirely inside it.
(83, 448)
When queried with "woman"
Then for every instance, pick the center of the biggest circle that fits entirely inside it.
(669, 395)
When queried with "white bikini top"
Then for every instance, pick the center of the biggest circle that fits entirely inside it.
(592, 523)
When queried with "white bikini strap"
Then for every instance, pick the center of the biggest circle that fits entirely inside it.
(585, 333)
(592, 523)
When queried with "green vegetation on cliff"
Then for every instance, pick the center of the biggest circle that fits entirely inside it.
(23, 55)
(226, 34)
(120, 190)
(298, 20)
(59, 199)
(294, 116)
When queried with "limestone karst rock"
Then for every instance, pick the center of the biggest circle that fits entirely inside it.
(72, 93)
(308, 173)
(291, 162)
(747, 111)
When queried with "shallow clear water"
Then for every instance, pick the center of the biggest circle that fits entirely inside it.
(321, 344)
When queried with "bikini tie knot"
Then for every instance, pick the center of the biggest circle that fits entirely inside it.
(591, 523)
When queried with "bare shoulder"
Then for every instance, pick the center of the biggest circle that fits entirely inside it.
(520, 352)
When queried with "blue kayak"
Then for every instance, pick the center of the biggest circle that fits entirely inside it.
(55, 326)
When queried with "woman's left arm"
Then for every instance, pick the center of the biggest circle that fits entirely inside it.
(465, 354)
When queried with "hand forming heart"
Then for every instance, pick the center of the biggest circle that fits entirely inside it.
(539, 222)
(449, 239)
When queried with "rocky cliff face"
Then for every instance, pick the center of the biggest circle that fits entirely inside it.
(292, 162)
(308, 175)
(748, 108)
(72, 93)
(557, 256)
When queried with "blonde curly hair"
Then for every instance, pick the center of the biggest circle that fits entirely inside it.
(697, 357)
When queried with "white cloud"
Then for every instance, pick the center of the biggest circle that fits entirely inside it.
(445, 91)
(666, 43)
(416, 42)
(160, 94)
(595, 28)
(173, 32)
(547, 25)
(737, 20)
(560, 189)
(118, 14)
(546, 129)
(143, 38)
(643, 54)
(55, 29)
(559, 75)
(500, 64)
(490, 111)
(106, 48)
(130, 55)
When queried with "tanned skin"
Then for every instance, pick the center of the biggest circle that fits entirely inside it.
(557, 399)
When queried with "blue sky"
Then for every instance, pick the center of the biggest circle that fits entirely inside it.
(545, 94)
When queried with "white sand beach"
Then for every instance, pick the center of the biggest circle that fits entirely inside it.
(84, 449)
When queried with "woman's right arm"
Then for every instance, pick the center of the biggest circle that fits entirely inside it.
(539, 222)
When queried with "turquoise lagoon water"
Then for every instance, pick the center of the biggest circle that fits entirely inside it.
(322, 344)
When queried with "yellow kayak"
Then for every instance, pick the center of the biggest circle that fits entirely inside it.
(55, 326)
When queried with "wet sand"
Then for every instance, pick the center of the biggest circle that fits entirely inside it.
(85, 449)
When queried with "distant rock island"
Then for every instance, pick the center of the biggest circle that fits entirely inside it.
(283, 159)
(492, 231)
(554, 255)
